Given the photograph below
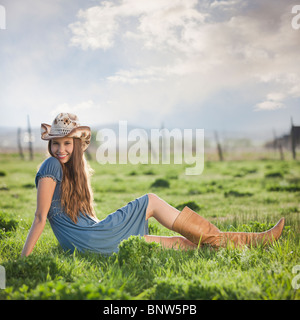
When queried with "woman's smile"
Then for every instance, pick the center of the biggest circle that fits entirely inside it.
(62, 156)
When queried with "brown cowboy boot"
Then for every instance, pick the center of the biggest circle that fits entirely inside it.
(200, 231)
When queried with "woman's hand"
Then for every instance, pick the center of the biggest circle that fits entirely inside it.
(46, 187)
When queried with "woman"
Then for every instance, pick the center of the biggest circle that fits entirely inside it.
(64, 196)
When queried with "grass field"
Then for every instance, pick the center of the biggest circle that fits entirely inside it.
(236, 196)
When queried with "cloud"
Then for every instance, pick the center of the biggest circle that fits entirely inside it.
(79, 107)
(166, 22)
(269, 105)
(224, 4)
(96, 28)
(273, 102)
(138, 75)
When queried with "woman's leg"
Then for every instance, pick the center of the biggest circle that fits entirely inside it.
(166, 215)
(172, 242)
(161, 211)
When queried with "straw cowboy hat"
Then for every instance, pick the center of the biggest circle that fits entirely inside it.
(66, 125)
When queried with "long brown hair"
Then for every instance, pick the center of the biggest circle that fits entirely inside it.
(76, 191)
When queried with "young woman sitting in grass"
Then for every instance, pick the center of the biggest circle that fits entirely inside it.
(65, 197)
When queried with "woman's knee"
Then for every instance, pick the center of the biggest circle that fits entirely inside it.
(153, 200)
(153, 195)
(152, 204)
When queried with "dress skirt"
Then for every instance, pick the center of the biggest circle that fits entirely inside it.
(103, 236)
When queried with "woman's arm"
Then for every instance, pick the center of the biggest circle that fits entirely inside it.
(46, 187)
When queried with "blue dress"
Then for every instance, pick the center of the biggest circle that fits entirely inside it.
(88, 234)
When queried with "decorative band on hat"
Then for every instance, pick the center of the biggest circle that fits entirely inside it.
(59, 131)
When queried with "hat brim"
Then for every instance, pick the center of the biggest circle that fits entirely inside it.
(83, 133)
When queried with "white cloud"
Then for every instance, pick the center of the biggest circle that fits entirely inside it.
(269, 105)
(274, 101)
(78, 108)
(137, 76)
(163, 22)
(276, 96)
(96, 29)
(227, 3)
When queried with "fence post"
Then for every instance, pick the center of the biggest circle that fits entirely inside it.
(20, 145)
(219, 147)
(29, 139)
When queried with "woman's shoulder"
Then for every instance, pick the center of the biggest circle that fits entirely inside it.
(51, 167)
(51, 161)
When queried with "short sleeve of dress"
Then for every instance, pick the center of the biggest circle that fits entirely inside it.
(51, 168)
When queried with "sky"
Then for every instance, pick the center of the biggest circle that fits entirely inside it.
(218, 65)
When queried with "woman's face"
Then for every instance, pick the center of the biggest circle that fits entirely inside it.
(62, 149)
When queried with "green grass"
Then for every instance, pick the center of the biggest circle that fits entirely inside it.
(236, 196)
